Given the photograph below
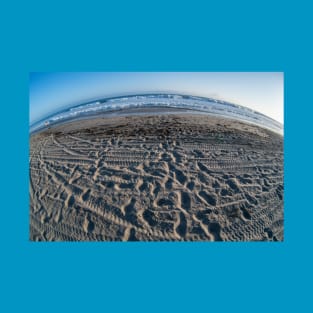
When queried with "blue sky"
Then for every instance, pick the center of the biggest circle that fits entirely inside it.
(261, 91)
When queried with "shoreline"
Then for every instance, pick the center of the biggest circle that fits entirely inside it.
(146, 112)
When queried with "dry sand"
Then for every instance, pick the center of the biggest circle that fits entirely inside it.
(150, 178)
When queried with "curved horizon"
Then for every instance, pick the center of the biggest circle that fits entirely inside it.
(51, 93)
(116, 96)
(120, 104)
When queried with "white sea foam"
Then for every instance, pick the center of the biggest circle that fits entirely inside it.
(197, 104)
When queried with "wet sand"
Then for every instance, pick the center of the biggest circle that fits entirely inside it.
(154, 178)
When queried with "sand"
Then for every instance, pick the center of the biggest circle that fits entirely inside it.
(156, 178)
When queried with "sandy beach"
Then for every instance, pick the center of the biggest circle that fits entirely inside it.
(174, 177)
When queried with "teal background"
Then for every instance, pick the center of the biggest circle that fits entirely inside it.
(155, 36)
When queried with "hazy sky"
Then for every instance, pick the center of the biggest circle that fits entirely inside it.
(261, 91)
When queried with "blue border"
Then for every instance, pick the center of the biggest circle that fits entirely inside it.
(155, 36)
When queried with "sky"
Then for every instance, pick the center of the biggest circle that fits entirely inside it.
(51, 91)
